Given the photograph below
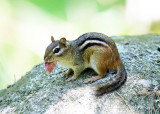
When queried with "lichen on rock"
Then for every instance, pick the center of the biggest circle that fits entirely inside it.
(38, 92)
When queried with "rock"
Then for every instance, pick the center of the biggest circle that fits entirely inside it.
(38, 92)
(145, 83)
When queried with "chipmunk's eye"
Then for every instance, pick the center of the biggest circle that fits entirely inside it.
(56, 50)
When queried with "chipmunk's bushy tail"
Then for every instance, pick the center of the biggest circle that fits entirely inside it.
(114, 83)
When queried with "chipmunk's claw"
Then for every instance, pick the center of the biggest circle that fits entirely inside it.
(65, 74)
(92, 79)
(71, 79)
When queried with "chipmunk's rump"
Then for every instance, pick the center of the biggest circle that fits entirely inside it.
(49, 66)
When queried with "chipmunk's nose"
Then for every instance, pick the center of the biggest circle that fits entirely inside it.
(45, 58)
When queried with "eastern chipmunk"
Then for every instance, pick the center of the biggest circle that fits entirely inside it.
(90, 50)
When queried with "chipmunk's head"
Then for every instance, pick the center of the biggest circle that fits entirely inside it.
(56, 51)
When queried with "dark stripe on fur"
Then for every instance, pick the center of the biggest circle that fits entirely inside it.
(116, 84)
(50, 48)
(91, 44)
(96, 39)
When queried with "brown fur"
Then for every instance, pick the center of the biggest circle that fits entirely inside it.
(91, 50)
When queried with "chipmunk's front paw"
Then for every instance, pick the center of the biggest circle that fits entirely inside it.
(71, 79)
(64, 74)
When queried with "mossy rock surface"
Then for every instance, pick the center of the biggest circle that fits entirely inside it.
(38, 92)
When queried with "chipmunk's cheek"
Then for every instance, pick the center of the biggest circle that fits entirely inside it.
(49, 66)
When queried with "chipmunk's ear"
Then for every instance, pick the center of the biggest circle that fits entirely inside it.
(62, 41)
(52, 38)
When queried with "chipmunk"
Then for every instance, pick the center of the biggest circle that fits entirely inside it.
(90, 50)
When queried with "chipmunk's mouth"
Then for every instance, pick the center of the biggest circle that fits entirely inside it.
(49, 66)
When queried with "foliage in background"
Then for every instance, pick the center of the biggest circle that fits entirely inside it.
(26, 26)
(59, 7)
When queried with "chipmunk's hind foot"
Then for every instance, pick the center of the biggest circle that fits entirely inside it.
(93, 79)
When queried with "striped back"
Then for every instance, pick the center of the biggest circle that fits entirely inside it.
(92, 39)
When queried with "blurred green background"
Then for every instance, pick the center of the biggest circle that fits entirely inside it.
(26, 27)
